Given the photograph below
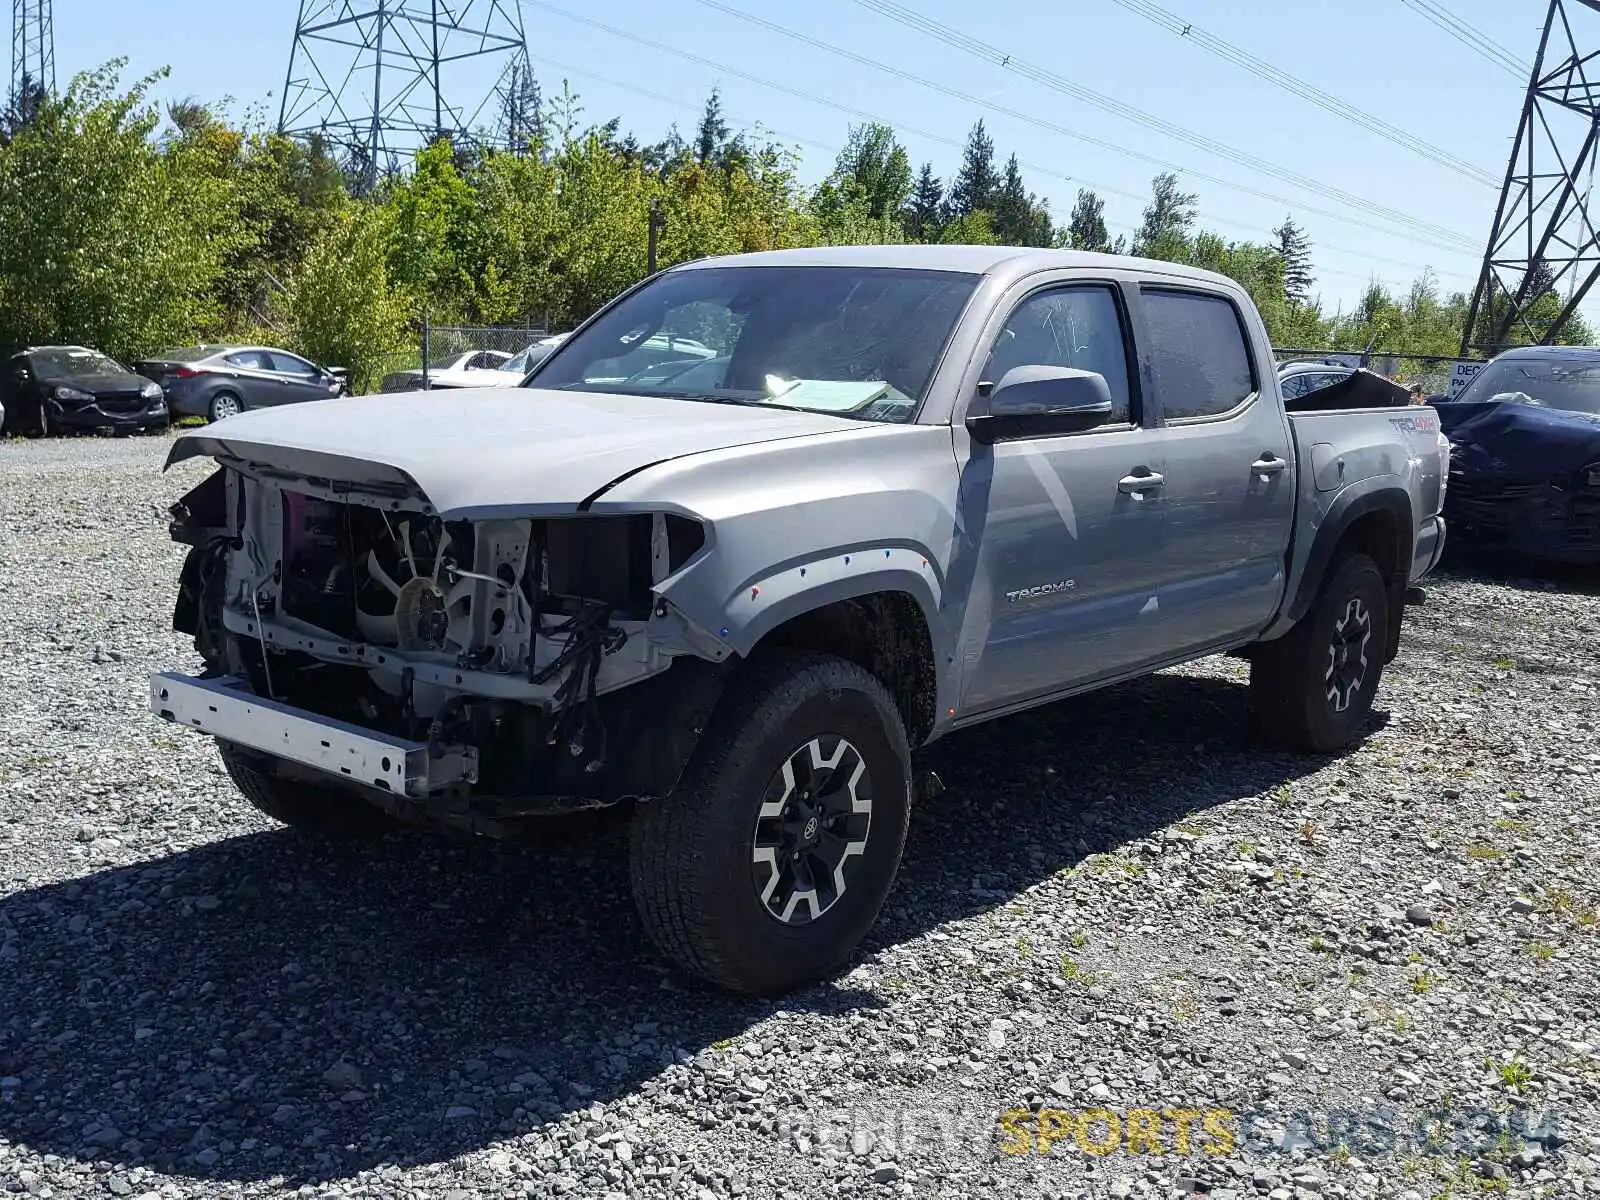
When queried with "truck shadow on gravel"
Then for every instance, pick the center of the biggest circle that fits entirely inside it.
(256, 1007)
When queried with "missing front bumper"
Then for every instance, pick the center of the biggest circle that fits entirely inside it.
(226, 708)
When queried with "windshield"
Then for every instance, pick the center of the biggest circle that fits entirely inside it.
(66, 363)
(1569, 384)
(532, 356)
(857, 341)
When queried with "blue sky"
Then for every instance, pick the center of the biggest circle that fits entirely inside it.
(1381, 55)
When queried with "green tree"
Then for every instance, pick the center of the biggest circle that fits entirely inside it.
(711, 135)
(434, 233)
(920, 221)
(976, 183)
(342, 304)
(973, 229)
(874, 167)
(1019, 217)
(1294, 247)
(1086, 228)
(107, 241)
(1168, 218)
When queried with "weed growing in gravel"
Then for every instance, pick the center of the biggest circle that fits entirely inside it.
(1483, 852)
(1422, 984)
(1506, 663)
(1309, 832)
(1513, 1075)
(1080, 940)
(1512, 825)
(1543, 951)
(1070, 970)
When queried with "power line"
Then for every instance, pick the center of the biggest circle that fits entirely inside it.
(1099, 188)
(1114, 148)
(859, 114)
(1469, 37)
(1263, 69)
(970, 45)
(1456, 245)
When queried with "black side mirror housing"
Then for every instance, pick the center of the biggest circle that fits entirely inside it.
(1041, 401)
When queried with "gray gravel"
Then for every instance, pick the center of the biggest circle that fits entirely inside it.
(1118, 904)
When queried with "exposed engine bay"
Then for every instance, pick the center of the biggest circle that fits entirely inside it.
(528, 642)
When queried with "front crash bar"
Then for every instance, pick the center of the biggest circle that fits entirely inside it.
(227, 709)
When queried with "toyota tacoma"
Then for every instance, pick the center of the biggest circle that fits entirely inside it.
(912, 489)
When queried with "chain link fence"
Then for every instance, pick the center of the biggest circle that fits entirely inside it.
(452, 355)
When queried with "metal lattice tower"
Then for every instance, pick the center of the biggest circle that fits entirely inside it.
(33, 48)
(379, 78)
(1544, 242)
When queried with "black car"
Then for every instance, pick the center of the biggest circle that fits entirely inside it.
(217, 381)
(53, 389)
(1525, 457)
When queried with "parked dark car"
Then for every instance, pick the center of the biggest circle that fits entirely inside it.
(217, 381)
(1525, 458)
(52, 389)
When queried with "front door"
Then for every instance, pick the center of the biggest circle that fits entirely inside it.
(1063, 533)
(1230, 472)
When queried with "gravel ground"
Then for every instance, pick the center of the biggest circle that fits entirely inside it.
(1116, 905)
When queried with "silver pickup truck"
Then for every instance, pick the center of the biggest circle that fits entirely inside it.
(913, 489)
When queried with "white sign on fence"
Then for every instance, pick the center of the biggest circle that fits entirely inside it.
(1461, 374)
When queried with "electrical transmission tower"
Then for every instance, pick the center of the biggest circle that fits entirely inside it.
(379, 78)
(33, 51)
(1544, 250)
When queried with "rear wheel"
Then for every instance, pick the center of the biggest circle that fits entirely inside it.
(1312, 689)
(224, 405)
(771, 859)
(325, 810)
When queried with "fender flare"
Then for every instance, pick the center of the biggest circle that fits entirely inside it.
(1383, 493)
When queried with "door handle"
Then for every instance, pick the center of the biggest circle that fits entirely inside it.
(1269, 464)
(1140, 482)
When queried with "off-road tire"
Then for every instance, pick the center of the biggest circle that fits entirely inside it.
(327, 811)
(692, 852)
(1305, 695)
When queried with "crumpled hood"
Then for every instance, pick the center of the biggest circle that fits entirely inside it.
(485, 452)
(1521, 441)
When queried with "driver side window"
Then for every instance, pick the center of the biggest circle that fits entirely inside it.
(1078, 327)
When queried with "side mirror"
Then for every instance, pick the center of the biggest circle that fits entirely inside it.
(1039, 401)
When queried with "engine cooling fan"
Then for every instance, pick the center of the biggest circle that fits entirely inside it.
(426, 615)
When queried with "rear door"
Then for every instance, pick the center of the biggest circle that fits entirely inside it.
(1229, 488)
(1066, 545)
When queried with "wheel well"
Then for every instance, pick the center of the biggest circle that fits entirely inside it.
(885, 633)
(1377, 534)
(1382, 537)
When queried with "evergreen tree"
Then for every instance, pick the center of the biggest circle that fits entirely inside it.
(1164, 231)
(1086, 228)
(976, 184)
(921, 217)
(1295, 249)
(711, 136)
(1013, 208)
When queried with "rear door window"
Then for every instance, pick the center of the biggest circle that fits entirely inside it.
(250, 360)
(1197, 352)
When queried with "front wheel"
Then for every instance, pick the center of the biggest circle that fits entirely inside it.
(770, 861)
(223, 406)
(1312, 689)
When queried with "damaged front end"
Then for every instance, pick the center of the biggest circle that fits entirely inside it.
(1524, 480)
(476, 670)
